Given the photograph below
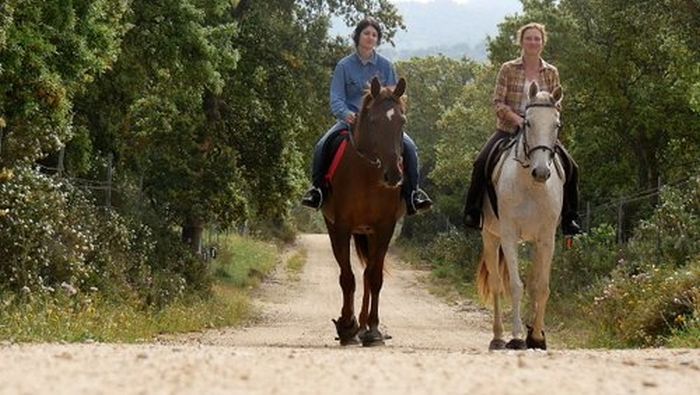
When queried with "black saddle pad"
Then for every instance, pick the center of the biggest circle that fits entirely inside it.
(491, 161)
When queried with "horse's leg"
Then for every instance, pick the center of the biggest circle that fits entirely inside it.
(378, 246)
(364, 312)
(491, 256)
(544, 251)
(509, 244)
(346, 325)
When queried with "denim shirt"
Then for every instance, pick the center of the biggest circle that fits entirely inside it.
(350, 79)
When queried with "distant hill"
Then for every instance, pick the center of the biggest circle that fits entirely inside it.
(443, 26)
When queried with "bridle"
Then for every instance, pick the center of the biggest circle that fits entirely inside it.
(376, 162)
(526, 146)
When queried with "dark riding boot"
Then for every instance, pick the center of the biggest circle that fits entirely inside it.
(314, 197)
(475, 196)
(570, 221)
(416, 199)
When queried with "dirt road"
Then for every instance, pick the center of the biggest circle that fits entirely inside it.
(436, 349)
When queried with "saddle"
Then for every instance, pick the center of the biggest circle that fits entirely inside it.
(334, 155)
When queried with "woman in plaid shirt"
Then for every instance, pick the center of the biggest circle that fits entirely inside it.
(509, 99)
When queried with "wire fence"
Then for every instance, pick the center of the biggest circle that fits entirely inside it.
(624, 210)
(104, 190)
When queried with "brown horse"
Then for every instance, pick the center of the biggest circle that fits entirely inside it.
(365, 203)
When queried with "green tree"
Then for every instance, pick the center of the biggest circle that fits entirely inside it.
(49, 53)
(463, 129)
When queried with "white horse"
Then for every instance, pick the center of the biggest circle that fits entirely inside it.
(528, 182)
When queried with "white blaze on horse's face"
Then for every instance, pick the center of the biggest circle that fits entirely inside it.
(390, 114)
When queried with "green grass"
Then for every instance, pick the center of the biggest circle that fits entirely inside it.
(243, 262)
(295, 264)
(67, 319)
(57, 317)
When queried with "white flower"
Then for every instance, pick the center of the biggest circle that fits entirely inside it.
(69, 288)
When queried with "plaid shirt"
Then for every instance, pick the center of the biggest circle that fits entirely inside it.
(510, 83)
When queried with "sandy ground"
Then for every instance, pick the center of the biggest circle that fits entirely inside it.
(290, 349)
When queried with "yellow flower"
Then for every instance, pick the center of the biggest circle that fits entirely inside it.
(6, 174)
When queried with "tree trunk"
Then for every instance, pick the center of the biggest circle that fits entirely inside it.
(192, 234)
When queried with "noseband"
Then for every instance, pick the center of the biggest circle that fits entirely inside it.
(526, 146)
(376, 162)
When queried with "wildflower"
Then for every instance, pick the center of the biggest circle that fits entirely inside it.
(69, 288)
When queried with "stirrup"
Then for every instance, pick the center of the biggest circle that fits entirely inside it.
(313, 198)
(570, 228)
(420, 201)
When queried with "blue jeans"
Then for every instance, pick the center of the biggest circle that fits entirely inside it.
(322, 159)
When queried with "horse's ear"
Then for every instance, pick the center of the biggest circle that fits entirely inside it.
(400, 88)
(534, 88)
(557, 95)
(376, 87)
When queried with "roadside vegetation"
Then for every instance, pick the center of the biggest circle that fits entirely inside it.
(66, 314)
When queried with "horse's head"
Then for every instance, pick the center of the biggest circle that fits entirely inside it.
(541, 129)
(379, 133)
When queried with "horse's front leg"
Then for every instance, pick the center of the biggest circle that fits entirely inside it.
(509, 244)
(491, 251)
(346, 325)
(539, 290)
(374, 279)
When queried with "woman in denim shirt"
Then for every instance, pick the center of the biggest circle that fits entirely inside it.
(350, 79)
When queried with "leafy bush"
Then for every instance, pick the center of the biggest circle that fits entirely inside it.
(672, 235)
(54, 239)
(654, 292)
(591, 259)
(645, 308)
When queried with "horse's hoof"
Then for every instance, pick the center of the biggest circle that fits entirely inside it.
(372, 338)
(352, 341)
(497, 344)
(347, 334)
(535, 343)
(516, 344)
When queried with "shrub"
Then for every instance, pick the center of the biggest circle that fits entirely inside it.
(591, 259)
(654, 292)
(54, 239)
(645, 308)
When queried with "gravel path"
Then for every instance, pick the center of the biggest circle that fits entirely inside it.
(436, 348)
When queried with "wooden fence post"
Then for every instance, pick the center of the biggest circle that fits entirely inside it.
(108, 198)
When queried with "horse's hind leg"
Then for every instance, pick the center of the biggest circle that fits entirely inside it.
(346, 325)
(539, 291)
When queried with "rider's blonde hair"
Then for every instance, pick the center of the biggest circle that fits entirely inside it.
(532, 25)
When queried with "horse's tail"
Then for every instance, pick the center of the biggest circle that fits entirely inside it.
(362, 247)
(486, 294)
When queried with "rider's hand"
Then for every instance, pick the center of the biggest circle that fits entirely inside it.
(350, 119)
